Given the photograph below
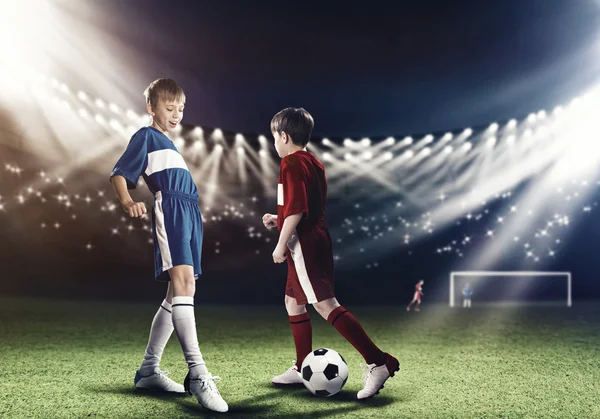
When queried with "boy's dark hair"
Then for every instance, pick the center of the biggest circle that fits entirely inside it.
(166, 90)
(295, 122)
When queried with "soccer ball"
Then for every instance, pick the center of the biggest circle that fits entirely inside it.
(324, 372)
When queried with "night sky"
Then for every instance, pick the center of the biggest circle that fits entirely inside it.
(363, 68)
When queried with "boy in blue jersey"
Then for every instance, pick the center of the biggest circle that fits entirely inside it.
(177, 233)
(467, 293)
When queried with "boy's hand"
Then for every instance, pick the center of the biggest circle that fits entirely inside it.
(269, 221)
(279, 254)
(135, 209)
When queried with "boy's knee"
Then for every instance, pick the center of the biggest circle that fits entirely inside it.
(325, 307)
(292, 306)
(183, 285)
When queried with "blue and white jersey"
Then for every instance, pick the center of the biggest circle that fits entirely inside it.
(153, 155)
(467, 292)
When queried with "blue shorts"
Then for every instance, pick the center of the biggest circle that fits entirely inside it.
(177, 232)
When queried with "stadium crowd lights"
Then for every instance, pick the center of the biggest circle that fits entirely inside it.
(363, 150)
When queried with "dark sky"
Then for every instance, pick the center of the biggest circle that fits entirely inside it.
(367, 68)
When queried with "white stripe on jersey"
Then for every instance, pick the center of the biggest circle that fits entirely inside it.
(280, 194)
(161, 234)
(164, 159)
(296, 250)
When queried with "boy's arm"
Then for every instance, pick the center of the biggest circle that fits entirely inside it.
(289, 225)
(134, 209)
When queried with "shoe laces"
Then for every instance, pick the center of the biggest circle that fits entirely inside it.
(162, 374)
(367, 370)
(209, 383)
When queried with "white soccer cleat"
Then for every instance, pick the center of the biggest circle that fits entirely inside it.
(157, 382)
(376, 376)
(206, 391)
(291, 376)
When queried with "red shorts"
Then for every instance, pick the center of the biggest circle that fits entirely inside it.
(417, 296)
(310, 267)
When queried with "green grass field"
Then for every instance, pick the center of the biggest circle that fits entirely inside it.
(77, 360)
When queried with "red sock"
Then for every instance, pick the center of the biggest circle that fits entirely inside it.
(302, 331)
(345, 323)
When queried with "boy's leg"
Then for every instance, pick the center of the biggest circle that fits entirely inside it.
(301, 329)
(160, 332)
(198, 381)
(184, 319)
(302, 332)
(347, 325)
(381, 365)
(149, 376)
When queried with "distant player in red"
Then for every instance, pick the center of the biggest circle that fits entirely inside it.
(305, 242)
(417, 296)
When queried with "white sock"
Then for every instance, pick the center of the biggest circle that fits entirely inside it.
(184, 322)
(160, 332)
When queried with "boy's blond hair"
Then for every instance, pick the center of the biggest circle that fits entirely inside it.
(163, 89)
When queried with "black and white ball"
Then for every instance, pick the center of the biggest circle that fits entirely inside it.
(324, 372)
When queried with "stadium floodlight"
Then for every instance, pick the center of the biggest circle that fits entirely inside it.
(217, 133)
(478, 275)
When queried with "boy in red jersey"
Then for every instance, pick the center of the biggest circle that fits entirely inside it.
(305, 242)
(417, 296)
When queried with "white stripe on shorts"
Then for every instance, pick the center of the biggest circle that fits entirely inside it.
(298, 259)
(161, 233)
(164, 159)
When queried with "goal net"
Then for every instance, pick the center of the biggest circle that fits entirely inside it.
(506, 287)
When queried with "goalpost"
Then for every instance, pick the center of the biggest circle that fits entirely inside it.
(453, 275)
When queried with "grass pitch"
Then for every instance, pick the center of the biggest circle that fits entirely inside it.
(63, 359)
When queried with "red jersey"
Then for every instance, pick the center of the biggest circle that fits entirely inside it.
(302, 188)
